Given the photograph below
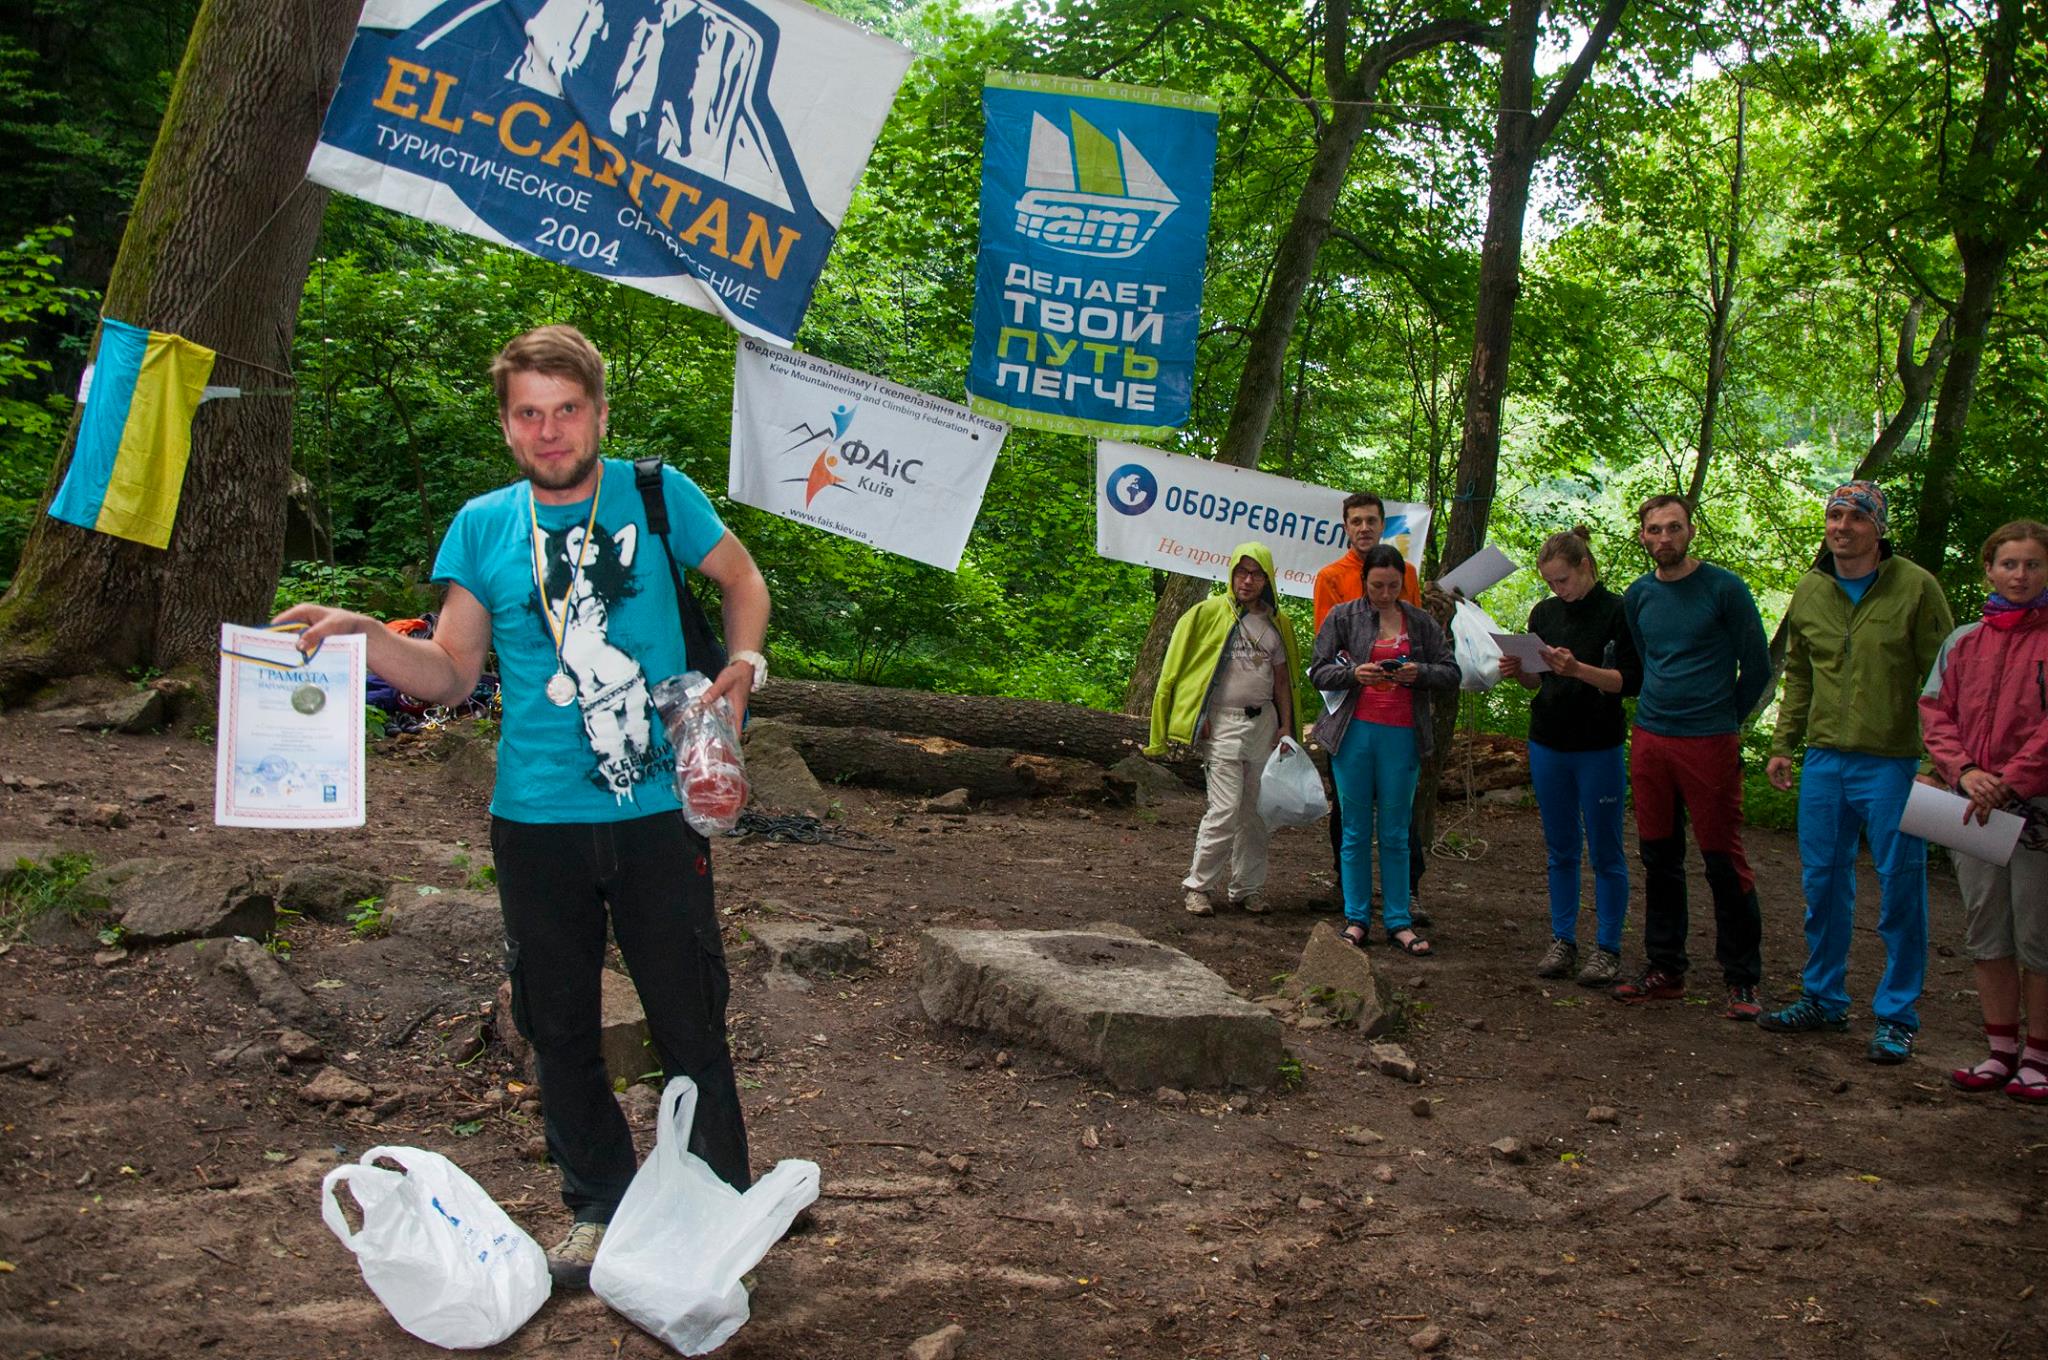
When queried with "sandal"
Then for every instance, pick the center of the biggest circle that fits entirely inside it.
(2034, 1092)
(1414, 946)
(1992, 1074)
(1355, 935)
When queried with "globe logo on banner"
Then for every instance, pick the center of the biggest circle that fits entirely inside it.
(1132, 489)
(1086, 195)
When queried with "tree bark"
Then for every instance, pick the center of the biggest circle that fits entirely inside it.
(1352, 93)
(928, 765)
(1916, 384)
(1983, 273)
(216, 249)
(1722, 280)
(1032, 725)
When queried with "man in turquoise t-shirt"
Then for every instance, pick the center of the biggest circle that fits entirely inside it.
(562, 574)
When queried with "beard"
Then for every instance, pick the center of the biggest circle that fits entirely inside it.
(559, 476)
(1667, 555)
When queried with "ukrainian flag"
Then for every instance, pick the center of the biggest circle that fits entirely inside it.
(135, 436)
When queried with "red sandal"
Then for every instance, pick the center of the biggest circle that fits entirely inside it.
(1991, 1074)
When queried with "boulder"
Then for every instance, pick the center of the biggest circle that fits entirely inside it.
(1139, 1013)
(780, 780)
(1341, 979)
(134, 711)
(12, 853)
(810, 947)
(164, 901)
(457, 922)
(1149, 781)
(328, 892)
(624, 1038)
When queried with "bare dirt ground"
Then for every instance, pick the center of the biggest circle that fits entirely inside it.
(1755, 1196)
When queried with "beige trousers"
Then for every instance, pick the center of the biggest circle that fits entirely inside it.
(1232, 836)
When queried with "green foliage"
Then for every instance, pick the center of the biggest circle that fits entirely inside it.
(30, 891)
(367, 920)
(32, 416)
(1290, 1074)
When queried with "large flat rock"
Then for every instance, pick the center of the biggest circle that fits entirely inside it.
(1139, 1013)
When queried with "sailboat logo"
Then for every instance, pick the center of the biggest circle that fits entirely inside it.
(1087, 195)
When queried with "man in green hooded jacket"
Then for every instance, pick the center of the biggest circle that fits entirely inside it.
(1227, 688)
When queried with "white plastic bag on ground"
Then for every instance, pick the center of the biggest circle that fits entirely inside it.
(682, 1238)
(436, 1249)
(1291, 791)
(1472, 631)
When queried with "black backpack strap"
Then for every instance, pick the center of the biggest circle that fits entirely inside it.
(701, 646)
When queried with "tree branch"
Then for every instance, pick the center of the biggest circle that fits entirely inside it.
(1567, 88)
(1301, 93)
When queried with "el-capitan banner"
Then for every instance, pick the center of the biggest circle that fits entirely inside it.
(703, 150)
(856, 456)
(1094, 236)
(1185, 514)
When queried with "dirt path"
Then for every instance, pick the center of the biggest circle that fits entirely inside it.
(1754, 1196)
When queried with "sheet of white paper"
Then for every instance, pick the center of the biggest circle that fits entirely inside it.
(1528, 647)
(1333, 699)
(1937, 815)
(290, 734)
(1486, 568)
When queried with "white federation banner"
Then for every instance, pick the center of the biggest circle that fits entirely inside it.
(704, 150)
(857, 456)
(1185, 514)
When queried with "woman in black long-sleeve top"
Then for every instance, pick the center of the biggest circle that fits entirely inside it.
(1385, 657)
(1576, 761)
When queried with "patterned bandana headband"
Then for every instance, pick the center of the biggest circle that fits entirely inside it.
(1861, 495)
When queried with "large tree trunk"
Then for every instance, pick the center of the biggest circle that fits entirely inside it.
(1351, 111)
(920, 764)
(1016, 724)
(1521, 131)
(216, 250)
(1983, 272)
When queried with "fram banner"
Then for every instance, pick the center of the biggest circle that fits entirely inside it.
(703, 150)
(856, 456)
(1186, 514)
(1094, 233)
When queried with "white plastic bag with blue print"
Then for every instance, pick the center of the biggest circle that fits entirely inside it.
(450, 1265)
(672, 1259)
(1291, 789)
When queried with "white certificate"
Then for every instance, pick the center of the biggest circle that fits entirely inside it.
(1481, 571)
(290, 736)
(1937, 815)
(1528, 647)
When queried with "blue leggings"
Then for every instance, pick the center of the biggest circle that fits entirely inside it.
(1589, 788)
(1375, 770)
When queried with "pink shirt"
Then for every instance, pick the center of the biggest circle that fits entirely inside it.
(1383, 701)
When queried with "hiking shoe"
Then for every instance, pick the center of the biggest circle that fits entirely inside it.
(569, 1260)
(1654, 985)
(1559, 960)
(1198, 903)
(1802, 1017)
(1255, 903)
(1601, 969)
(1742, 1004)
(1890, 1045)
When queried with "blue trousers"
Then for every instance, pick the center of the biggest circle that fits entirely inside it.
(1375, 770)
(1840, 794)
(1575, 789)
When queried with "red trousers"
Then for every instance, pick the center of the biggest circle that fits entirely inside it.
(1673, 779)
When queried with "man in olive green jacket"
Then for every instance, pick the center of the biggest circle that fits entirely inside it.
(1227, 688)
(1863, 628)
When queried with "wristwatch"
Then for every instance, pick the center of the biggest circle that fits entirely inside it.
(758, 662)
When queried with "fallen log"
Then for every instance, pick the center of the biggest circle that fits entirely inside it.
(1496, 761)
(991, 722)
(932, 765)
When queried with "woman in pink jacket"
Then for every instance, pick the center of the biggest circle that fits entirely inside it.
(1984, 717)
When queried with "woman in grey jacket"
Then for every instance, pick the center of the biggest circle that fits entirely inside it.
(1385, 658)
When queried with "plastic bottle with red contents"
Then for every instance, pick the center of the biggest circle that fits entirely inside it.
(711, 774)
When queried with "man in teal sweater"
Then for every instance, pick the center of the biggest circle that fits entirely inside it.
(1864, 626)
(1705, 664)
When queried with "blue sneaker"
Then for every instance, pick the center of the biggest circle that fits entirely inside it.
(1804, 1016)
(1891, 1044)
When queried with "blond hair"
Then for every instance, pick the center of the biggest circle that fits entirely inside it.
(559, 351)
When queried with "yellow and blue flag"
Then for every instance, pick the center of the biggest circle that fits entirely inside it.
(135, 436)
